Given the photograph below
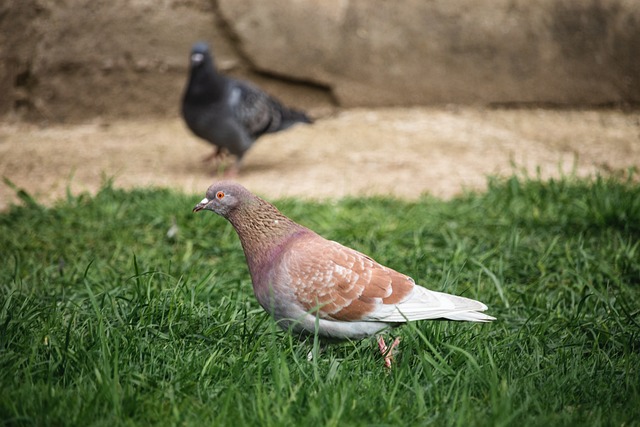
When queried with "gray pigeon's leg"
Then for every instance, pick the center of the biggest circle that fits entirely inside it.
(217, 152)
(387, 352)
(234, 170)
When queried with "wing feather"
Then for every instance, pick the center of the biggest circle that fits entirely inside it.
(342, 284)
(339, 282)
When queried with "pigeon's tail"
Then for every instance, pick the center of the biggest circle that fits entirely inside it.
(463, 309)
(426, 304)
(469, 316)
(291, 117)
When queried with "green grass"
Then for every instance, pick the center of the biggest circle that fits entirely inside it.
(107, 320)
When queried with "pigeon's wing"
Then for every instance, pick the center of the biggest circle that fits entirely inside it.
(342, 284)
(260, 113)
(255, 110)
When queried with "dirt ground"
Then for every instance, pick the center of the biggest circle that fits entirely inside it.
(399, 152)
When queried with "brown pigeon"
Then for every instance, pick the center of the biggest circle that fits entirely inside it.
(309, 283)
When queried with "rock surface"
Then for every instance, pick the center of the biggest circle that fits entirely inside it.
(74, 60)
(448, 51)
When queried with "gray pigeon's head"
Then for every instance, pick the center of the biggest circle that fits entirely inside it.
(223, 197)
(199, 53)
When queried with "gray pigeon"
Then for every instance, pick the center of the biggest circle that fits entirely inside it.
(230, 114)
(307, 282)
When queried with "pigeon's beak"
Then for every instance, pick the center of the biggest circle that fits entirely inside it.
(203, 203)
(196, 58)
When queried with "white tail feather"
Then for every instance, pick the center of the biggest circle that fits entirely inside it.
(425, 304)
(470, 316)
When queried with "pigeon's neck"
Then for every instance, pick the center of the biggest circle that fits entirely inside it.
(206, 86)
(263, 232)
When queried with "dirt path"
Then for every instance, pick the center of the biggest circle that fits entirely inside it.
(402, 152)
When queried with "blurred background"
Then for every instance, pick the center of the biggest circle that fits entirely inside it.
(383, 77)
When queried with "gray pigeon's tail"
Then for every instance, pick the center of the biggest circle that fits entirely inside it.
(291, 117)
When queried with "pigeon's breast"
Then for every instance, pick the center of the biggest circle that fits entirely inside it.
(272, 281)
(216, 125)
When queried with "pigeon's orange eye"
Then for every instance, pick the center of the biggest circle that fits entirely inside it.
(219, 195)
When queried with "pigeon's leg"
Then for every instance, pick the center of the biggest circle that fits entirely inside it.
(231, 172)
(387, 351)
(217, 152)
(234, 170)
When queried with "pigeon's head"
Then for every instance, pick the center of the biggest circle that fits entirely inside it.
(199, 52)
(224, 197)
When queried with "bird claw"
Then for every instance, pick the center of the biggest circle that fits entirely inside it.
(387, 351)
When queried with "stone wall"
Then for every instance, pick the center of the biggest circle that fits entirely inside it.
(78, 59)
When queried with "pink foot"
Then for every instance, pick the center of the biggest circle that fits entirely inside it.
(217, 153)
(232, 171)
(386, 351)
